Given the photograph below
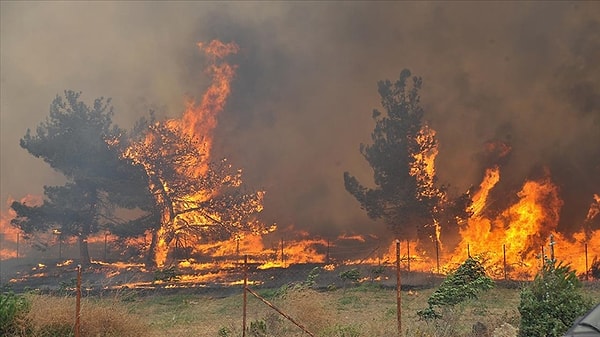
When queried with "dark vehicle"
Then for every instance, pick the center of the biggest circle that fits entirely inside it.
(587, 325)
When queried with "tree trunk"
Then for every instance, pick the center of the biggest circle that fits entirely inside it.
(150, 257)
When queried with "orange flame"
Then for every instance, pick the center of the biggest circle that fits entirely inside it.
(9, 235)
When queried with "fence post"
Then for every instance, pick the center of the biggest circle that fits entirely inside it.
(245, 290)
(586, 263)
(78, 302)
(327, 256)
(504, 253)
(437, 254)
(408, 253)
(552, 243)
(105, 245)
(398, 288)
(282, 256)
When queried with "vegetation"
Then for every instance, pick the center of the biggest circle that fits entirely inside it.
(12, 309)
(194, 199)
(73, 141)
(463, 284)
(179, 196)
(552, 302)
(362, 311)
(401, 157)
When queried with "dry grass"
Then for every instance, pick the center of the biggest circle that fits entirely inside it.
(55, 316)
(365, 311)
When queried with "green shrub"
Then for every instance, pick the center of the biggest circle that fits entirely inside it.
(12, 308)
(342, 331)
(258, 328)
(465, 283)
(552, 302)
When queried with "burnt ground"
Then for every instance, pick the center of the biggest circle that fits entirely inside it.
(55, 276)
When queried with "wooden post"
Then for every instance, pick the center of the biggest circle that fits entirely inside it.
(105, 246)
(282, 257)
(468, 251)
(408, 254)
(437, 254)
(327, 256)
(245, 290)
(78, 303)
(552, 243)
(504, 253)
(398, 288)
(586, 263)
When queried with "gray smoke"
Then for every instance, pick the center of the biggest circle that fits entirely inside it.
(527, 74)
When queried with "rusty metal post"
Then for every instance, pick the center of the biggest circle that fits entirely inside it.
(105, 245)
(552, 243)
(327, 257)
(245, 290)
(408, 254)
(504, 253)
(437, 254)
(586, 263)
(282, 256)
(398, 289)
(78, 303)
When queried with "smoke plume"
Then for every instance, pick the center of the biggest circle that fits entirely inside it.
(524, 74)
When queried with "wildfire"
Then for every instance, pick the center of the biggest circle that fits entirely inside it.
(514, 241)
(10, 235)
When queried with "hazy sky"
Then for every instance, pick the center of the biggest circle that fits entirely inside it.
(526, 73)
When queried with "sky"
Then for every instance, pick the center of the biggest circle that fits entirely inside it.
(523, 73)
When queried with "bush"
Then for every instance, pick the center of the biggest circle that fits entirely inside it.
(552, 302)
(52, 316)
(465, 283)
(12, 309)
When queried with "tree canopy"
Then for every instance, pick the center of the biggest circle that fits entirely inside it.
(196, 199)
(402, 155)
(74, 141)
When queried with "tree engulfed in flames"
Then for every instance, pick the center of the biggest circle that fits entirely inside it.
(196, 198)
(200, 206)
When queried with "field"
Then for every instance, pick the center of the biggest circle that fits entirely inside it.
(364, 310)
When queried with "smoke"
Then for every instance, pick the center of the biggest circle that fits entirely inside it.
(526, 74)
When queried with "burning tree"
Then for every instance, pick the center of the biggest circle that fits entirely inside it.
(73, 141)
(194, 198)
(402, 157)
